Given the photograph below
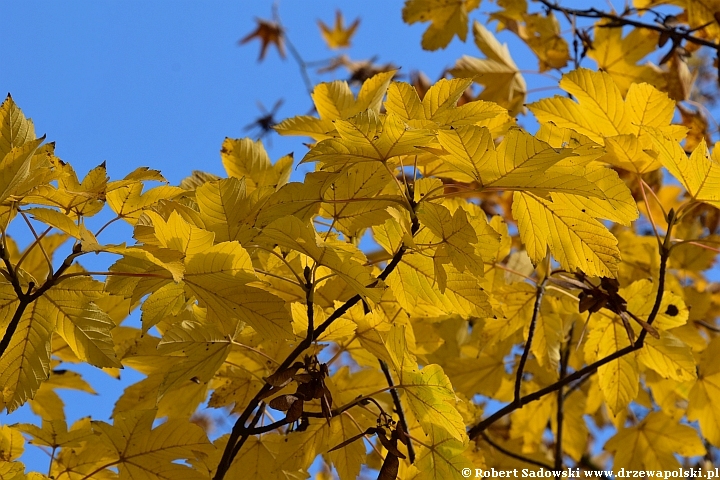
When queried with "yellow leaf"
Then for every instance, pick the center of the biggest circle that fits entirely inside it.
(368, 137)
(202, 349)
(55, 219)
(641, 296)
(702, 406)
(413, 283)
(179, 235)
(575, 239)
(669, 357)
(530, 421)
(619, 56)
(54, 433)
(26, 362)
(335, 101)
(80, 322)
(432, 400)
(618, 379)
(616, 202)
(602, 100)
(542, 34)
(503, 82)
(575, 430)
(354, 200)
(15, 129)
(166, 300)
(12, 471)
(477, 375)
(301, 200)
(349, 459)
(340, 329)
(244, 158)
(144, 453)
(224, 206)
(12, 443)
(448, 239)
(653, 443)
(443, 459)
(129, 202)
(218, 278)
(339, 36)
(292, 233)
(699, 174)
(549, 334)
(15, 168)
(448, 19)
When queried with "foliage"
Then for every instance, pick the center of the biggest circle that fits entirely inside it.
(439, 257)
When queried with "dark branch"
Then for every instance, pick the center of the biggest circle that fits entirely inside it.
(564, 357)
(398, 409)
(620, 21)
(514, 455)
(528, 343)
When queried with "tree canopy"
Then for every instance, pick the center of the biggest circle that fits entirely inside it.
(446, 290)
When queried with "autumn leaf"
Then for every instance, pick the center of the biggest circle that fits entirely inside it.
(653, 443)
(448, 19)
(144, 452)
(339, 36)
(269, 33)
(503, 82)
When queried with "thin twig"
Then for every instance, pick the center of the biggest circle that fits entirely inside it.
(398, 408)
(564, 357)
(514, 455)
(528, 343)
(619, 21)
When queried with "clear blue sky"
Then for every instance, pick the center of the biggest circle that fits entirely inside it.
(162, 83)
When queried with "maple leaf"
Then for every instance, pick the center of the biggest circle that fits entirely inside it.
(15, 129)
(619, 378)
(618, 55)
(448, 19)
(653, 443)
(269, 33)
(603, 116)
(335, 101)
(575, 239)
(542, 34)
(143, 452)
(243, 158)
(699, 174)
(339, 36)
(498, 73)
(368, 137)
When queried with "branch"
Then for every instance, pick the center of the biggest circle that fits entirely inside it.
(528, 343)
(398, 409)
(564, 357)
(513, 454)
(619, 21)
(26, 298)
(252, 430)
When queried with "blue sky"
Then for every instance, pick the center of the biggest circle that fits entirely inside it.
(162, 83)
